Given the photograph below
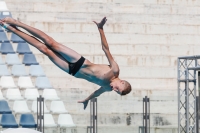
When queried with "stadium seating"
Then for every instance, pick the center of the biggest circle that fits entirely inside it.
(27, 121)
(16, 39)
(29, 59)
(6, 48)
(25, 82)
(50, 94)
(3, 37)
(42, 83)
(31, 94)
(12, 59)
(58, 107)
(34, 107)
(7, 82)
(13, 94)
(36, 70)
(65, 120)
(8, 121)
(23, 48)
(4, 71)
(4, 108)
(19, 70)
(20, 107)
(49, 121)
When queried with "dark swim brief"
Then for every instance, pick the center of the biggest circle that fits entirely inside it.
(74, 67)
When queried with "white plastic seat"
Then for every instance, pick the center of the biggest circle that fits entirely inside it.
(36, 70)
(7, 82)
(58, 107)
(4, 70)
(25, 82)
(31, 94)
(20, 107)
(42, 83)
(13, 94)
(19, 70)
(50, 94)
(3, 6)
(12, 59)
(65, 120)
(34, 107)
(49, 121)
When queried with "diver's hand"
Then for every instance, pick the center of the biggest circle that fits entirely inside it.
(101, 24)
(9, 20)
(85, 103)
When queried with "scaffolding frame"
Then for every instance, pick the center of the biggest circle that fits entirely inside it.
(40, 114)
(93, 116)
(146, 115)
(186, 77)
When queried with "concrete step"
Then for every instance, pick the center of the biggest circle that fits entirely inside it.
(115, 28)
(113, 18)
(115, 129)
(148, 7)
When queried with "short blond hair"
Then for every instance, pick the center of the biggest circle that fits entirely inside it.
(127, 88)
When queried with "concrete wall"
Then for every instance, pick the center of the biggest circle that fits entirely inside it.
(145, 38)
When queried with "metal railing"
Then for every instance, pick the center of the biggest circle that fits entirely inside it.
(40, 114)
(146, 115)
(93, 116)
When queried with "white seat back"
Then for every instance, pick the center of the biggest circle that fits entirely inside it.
(13, 94)
(58, 107)
(20, 107)
(65, 120)
(50, 94)
(31, 94)
(7, 82)
(25, 82)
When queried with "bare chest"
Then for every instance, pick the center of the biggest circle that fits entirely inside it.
(98, 74)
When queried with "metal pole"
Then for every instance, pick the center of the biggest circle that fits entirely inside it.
(91, 126)
(197, 114)
(38, 126)
(43, 113)
(149, 114)
(96, 115)
(40, 114)
(195, 101)
(146, 117)
(178, 74)
(93, 104)
(187, 101)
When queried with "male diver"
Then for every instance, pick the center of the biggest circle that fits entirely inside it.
(73, 63)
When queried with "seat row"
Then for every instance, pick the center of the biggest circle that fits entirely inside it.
(13, 59)
(22, 48)
(30, 94)
(19, 107)
(27, 121)
(25, 82)
(14, 38)
(20, 70)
